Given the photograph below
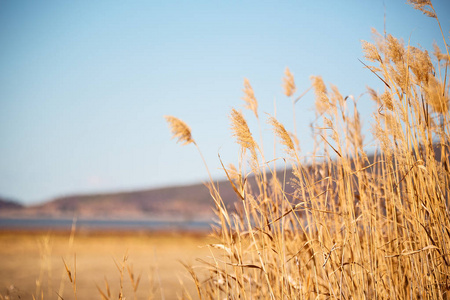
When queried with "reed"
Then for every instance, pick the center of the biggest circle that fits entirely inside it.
(352, 224)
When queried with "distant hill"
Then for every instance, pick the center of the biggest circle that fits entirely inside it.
(6, 204)
(179, 202)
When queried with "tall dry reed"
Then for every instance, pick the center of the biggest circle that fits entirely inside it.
(352, 225)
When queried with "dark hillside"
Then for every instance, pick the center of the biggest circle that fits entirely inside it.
(6, 204)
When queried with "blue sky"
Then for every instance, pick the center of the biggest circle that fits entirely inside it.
(84, 85)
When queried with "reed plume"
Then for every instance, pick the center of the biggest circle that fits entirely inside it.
(320, 90)
(241, 130)
(288, 83)
(283, 136)
(179, 130)
(249, 97)
(439, 55)
(244, 137)
(386, 99)
(424, 6)
(395, 49)
(370, 51)
(373, 94)
(420, 65)
(437, 96)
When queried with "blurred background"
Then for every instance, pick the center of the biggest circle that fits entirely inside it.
(84, 85)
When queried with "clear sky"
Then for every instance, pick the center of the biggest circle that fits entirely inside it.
(84, 85)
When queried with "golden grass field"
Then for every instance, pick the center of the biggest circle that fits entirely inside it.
(27, 257)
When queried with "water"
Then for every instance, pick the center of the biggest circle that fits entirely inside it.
(103, 224)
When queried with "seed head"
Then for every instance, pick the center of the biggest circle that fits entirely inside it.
(370, 52)
(437, 96)
(249, 98)
(283, 135)
(420, 65)
(179, 130)
(373, 94)
(424, 6)
(288, 83)
(395, 49)
(322, 102)
(241, 131)
(386, 99)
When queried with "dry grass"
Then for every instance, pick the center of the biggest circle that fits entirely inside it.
(356, 226)
(32, 265)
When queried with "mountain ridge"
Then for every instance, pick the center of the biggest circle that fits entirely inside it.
(184, 202)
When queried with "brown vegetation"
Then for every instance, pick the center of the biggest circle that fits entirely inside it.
(353, 227)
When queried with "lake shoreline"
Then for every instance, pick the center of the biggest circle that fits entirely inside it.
(105, 225)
